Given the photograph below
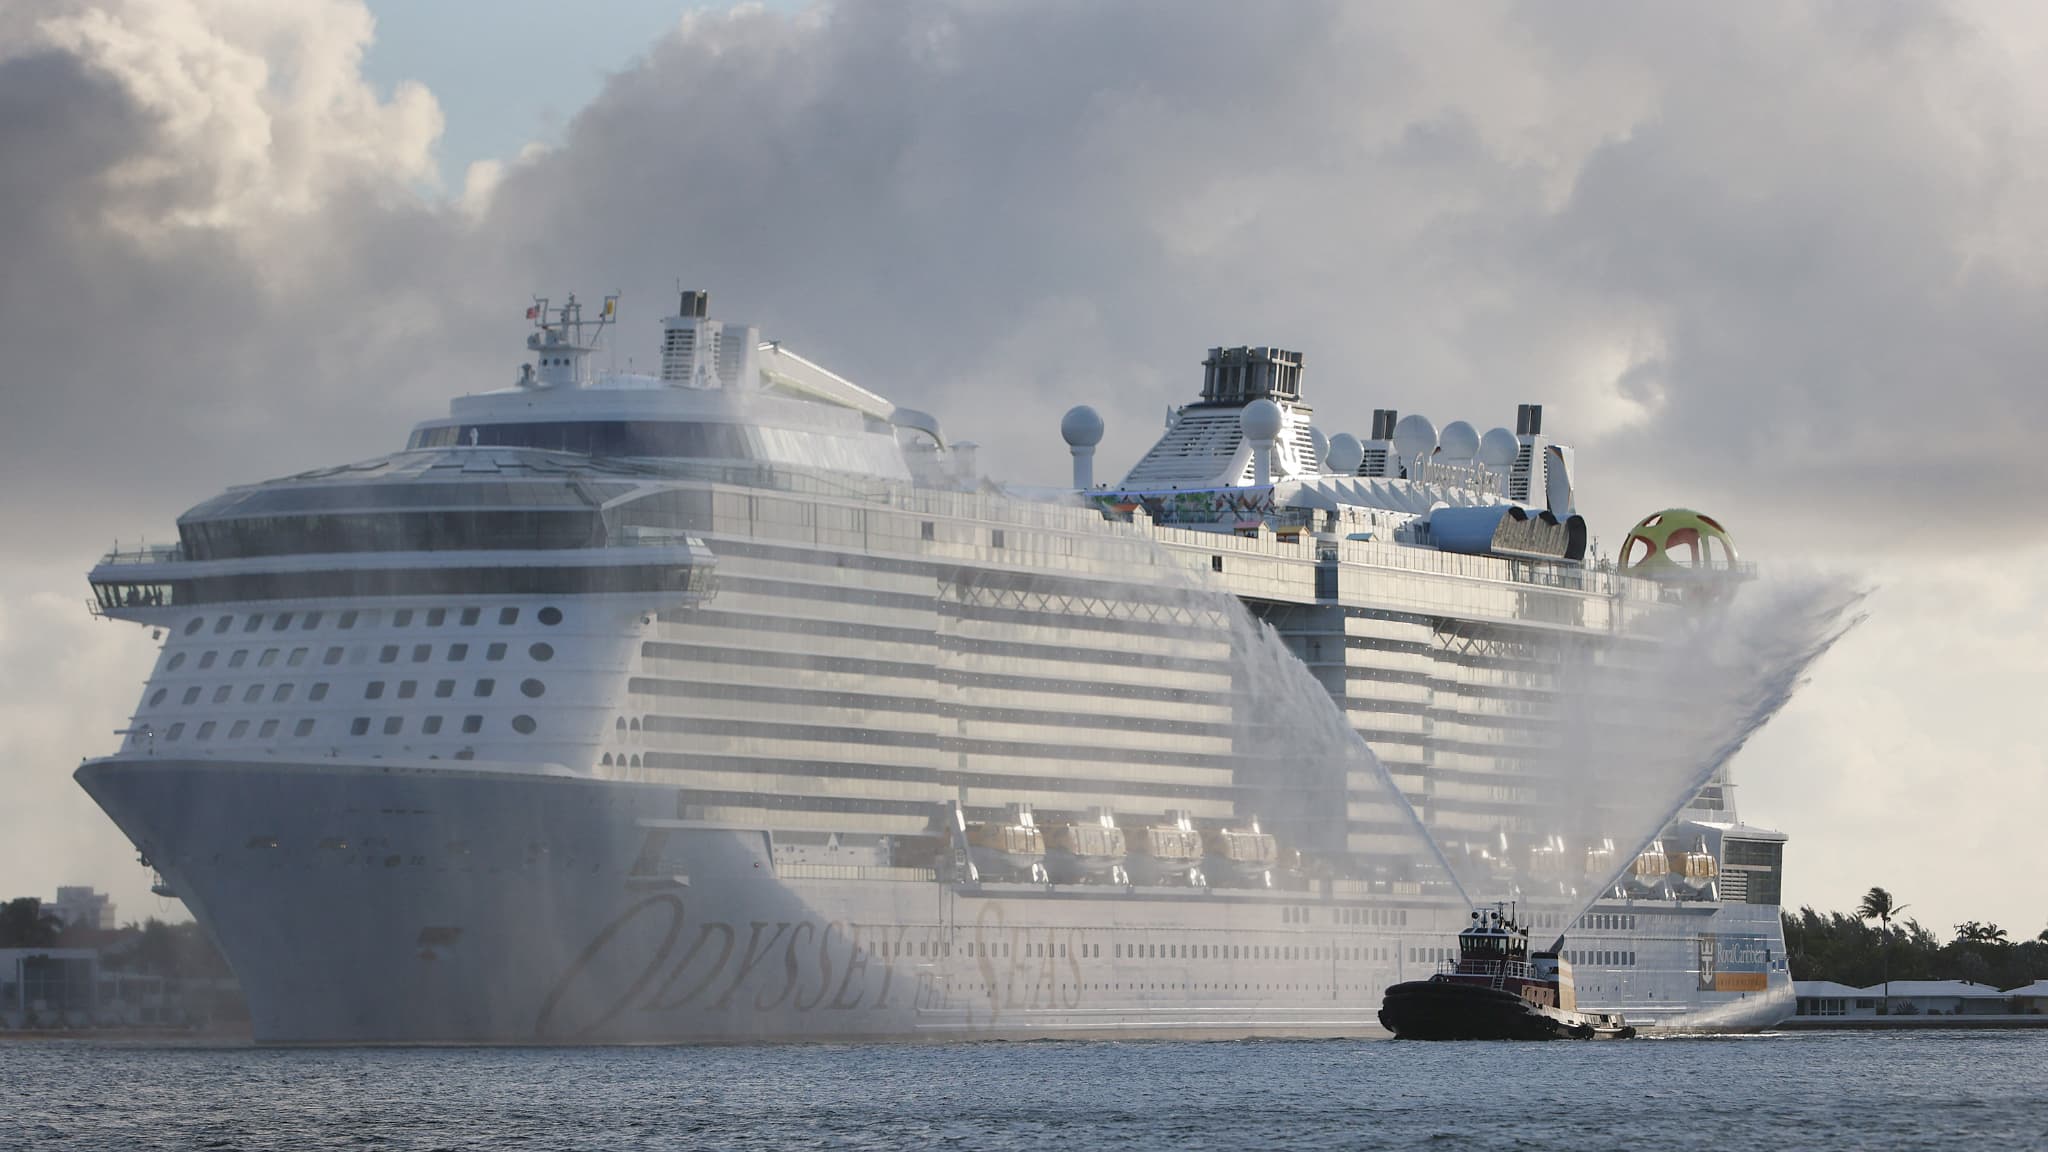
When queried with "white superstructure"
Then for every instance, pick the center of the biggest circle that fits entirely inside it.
(729, 703)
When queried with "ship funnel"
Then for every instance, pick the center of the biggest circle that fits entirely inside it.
(1081, 427)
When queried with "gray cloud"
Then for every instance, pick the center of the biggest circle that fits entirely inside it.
(1787, 264)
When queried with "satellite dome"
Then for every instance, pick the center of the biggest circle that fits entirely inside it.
(1321, 444)
(1081, 426)
(1346, 455)
(1414, 437)
(1498, 448)
(1460, 442)
(1260, 420)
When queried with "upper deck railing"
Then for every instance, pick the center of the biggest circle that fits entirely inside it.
(145, 554)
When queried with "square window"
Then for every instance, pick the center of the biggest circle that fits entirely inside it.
(254, 694)
(269, 729)
(508, 616)
(495, 652)
(995, 538)
(421, 653)
(283, 621)
(239, 658)
(392, 724)
(470, 616)
(457, 653)
(311, 622)
(301, 730)
(221, 625)
(205, 731)
(240, 729)
(406, 689)
(388, 654)
(318, 693)
(374, 690)
(402, 618)
(443, 689)
(191, 695)
(348, 620)
(483, 687)
(436, 617)
(284, 693)
(333, 656)
(469, 724)
(430, 725)
(360, 726)
(206, 659)
(928, 530)
(268, 658)
(297, 657)
(253, 623)
(220, 694)
(178, 730)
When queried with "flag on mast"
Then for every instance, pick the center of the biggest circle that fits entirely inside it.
(533, 313)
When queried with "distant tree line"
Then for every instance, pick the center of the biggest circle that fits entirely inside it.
(181, 951)
(1875, 944)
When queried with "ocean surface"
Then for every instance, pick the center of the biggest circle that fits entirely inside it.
(1981, 1090)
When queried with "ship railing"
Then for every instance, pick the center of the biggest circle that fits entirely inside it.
(1499, 971)
(146, 554)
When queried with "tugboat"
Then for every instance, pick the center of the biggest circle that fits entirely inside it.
(1497, 990)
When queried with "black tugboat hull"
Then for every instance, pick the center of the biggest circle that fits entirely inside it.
(1445, 1010)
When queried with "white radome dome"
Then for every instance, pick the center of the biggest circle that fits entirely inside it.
(1081, 426)
(1414, 437)
(1498, 448)
(1261, 420)
(1460, 441)
(1321, 445)
(1346, 455)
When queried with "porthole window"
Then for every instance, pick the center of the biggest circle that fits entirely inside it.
(430, 725)
(508, 616)
(175, 662)
(523, 725)
(540, 652)
(472, 723)
(301, 730)
(360, 726)
(157, 697)
(534, 689)
(194, 624)
(550, 616)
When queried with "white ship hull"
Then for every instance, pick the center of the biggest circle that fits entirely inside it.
(376, 903)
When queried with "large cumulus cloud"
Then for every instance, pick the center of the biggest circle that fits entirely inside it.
(1787, 263)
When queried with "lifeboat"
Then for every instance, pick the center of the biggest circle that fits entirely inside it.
(1169, 853)
(1012, 850)
(1240, 858)
(1497, 990)
(1648, 874)
(1087, 852)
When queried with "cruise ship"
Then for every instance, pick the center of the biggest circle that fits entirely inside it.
(731, 703)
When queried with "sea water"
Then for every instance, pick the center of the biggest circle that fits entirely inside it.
(1978, 1090)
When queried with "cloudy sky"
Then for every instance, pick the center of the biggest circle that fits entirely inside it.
(1785, 262)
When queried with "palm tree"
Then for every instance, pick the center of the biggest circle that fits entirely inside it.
(1877, 905)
